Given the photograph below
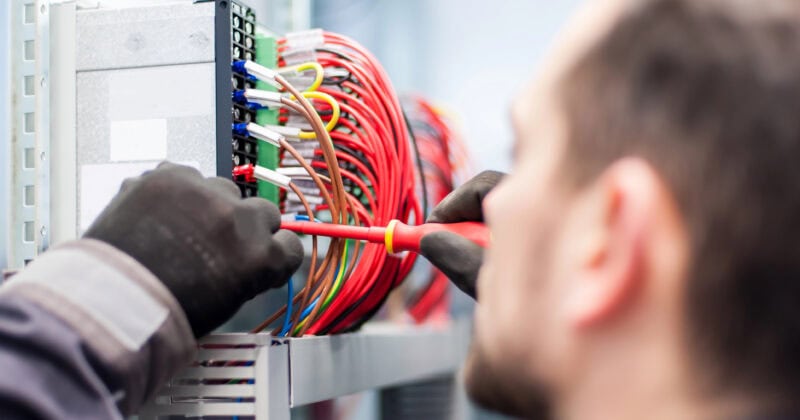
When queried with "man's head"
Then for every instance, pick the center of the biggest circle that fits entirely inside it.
(646, 242)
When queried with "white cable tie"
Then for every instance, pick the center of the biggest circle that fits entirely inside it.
(293, 132)
(264, 97)
(262, 73)
(262, 133)
(271, 176)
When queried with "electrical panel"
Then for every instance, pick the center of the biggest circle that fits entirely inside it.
(153, 83)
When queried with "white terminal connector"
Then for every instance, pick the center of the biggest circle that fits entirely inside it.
(262, 73)
(274, 178)
(297, 56)
(293, 132)
(294, 171)
(289, 161)
(307, 190)
(336, 72)
(291, 196)
(304, 40)
(265, 134)
(294, 207)
(289, 217)
(264, 97)
(301, 46)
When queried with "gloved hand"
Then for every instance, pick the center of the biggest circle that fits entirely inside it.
(210, 248)
(457, 257)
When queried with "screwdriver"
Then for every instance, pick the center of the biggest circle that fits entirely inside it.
(396, 236)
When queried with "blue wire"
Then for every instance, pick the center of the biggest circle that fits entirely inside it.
(302, 217)
(309, 309)
(287, 327)
(287, 321)
(287, 324)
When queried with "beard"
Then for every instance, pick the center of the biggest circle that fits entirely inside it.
(505, 389)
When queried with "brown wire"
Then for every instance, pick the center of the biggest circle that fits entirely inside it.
(307, 206)
(320, 281)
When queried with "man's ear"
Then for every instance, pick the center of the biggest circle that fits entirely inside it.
(610, 267)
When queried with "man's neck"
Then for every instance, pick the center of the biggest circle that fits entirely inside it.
(649, 384)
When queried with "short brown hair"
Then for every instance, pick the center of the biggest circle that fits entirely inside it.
(709, 94)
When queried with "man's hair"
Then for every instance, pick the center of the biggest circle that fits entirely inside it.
(708, 92)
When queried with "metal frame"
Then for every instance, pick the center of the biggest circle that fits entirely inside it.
(22, 241)
(5, 134)
(263, 376)
(42, 212)
(222, 74)
(63, 145)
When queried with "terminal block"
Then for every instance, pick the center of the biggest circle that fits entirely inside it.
(242, 47)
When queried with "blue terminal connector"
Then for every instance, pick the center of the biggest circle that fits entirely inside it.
(241, 129)
(239, 97)
(239, 66)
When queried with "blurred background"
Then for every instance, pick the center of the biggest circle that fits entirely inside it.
(469, 56)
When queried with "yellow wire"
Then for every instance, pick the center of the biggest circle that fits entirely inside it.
(307, 135)
(319, 73)
(339, 277)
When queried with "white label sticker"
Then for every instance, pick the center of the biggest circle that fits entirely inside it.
(100, 183)
(138, 140)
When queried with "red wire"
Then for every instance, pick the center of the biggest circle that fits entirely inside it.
(373, 126)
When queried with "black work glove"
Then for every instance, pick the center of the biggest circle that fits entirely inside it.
(210, 248)
(457, 257)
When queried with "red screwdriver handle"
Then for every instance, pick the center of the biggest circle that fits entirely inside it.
(402, 237)
(396, 236)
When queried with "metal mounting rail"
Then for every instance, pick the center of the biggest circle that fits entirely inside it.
(263, 376)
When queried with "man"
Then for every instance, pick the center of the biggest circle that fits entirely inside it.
(645, 259)
(643, 262)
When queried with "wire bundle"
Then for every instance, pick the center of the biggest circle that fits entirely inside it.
(442, 160)
(345, 158)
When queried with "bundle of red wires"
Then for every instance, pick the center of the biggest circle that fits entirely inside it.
(373, 149)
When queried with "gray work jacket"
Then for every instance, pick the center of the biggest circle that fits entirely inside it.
(86, 332)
